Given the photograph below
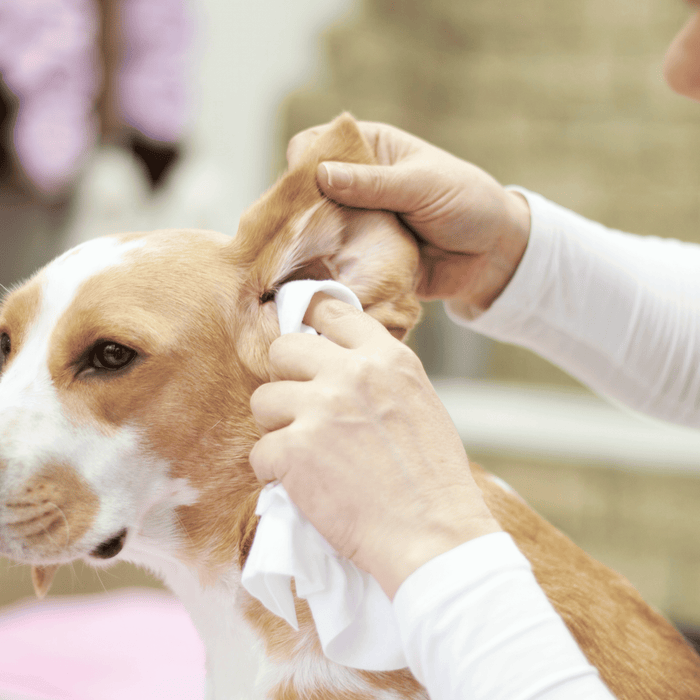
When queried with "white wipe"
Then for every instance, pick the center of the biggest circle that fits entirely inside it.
(354, 617)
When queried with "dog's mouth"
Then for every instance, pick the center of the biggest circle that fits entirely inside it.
(42, 575)
(111, 547)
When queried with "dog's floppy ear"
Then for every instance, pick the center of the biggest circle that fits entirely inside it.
(295, 232)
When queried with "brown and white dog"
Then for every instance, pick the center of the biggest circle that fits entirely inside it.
(127, 366)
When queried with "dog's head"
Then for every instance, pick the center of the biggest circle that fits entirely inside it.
(127, 365)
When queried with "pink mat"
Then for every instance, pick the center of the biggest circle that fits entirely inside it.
(127, 645)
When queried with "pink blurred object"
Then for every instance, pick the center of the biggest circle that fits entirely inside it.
(152, 86)
(128, 645)
(49, 58)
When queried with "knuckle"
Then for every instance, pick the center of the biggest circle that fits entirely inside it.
(408, 364)
(297, 443)
(373, 180)
(330, 398)
(395, 362)
(259, 461)
(403, 357)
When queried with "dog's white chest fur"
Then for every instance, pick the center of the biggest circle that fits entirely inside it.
(237, 666)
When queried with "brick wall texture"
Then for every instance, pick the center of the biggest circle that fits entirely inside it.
(564, 97)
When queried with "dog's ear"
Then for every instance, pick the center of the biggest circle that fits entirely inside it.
(295, 232)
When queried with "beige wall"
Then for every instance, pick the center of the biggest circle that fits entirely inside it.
(565, 98)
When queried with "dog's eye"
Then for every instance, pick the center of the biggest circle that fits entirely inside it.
(111, 356)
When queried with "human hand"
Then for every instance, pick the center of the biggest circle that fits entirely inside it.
(356, 434)
(473, 231)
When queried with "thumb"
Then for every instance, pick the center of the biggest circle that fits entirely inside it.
(367, 186)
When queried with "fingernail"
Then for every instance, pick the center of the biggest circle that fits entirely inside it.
(337, 175)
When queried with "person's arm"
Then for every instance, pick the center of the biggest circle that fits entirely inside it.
(475, 624)
(354, 431)
(619, 312)
(357, 436)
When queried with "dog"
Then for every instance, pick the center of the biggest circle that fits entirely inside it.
(127, 366)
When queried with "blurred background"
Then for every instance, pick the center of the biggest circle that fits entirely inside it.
(139, 114)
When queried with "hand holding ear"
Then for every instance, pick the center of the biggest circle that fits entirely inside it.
(356, 434)
(473, 231)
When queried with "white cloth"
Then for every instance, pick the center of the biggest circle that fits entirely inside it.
(353, 616)
(476, 625)
(619, 312)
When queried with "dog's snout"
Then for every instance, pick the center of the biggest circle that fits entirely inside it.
(49, 512)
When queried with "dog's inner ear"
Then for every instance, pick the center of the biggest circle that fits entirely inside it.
(295, 232)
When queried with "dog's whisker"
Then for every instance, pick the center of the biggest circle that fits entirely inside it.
(110, 573)
(65, 520)
(73, 575)
(99, 578)
(182, 527)
(213, 426)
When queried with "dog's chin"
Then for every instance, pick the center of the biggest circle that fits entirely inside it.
(43, 573)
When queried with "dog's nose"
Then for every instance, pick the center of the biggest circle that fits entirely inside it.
(49, 512)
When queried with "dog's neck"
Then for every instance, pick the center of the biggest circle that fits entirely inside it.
(237, 664)
(251, 653)
(241, 663)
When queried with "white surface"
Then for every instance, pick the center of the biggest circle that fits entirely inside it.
(565, 425)
(253, 55)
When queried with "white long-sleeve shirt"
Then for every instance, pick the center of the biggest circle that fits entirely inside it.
(475, 625)
(619, 312)
(622, 314)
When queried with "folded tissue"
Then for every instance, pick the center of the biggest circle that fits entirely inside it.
(353, 616)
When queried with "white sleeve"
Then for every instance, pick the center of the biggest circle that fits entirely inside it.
(475, 625)
(619, 312)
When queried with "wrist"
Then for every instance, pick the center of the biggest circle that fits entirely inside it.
(502, 261)
(410, 551)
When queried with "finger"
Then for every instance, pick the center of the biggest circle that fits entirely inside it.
(342, 323)
(299, 356)
(390, 187)
(274, 405)
(267, 458)
(301, 141)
